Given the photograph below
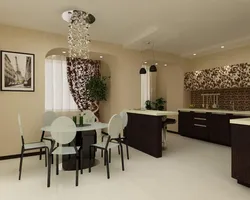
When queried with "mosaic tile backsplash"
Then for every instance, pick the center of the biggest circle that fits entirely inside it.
(240, 97)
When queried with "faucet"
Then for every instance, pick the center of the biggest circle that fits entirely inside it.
(232, 103)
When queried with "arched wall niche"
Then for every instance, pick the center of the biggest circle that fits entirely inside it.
(106, 61)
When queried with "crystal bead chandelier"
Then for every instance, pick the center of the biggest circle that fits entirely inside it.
(78, 32)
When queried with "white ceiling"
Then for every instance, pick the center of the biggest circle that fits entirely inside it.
(181, 27)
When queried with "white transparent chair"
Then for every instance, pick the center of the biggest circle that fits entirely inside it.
(63, 131)
(115, 128)
(29, 147)
(48, 118)
(123, 138)
(89, 116)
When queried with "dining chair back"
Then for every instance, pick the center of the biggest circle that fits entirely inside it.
(124, 117)
(89, 116)
(20, 128)
(20, 125)
(115, 126)
(48, 118)
(63, 130)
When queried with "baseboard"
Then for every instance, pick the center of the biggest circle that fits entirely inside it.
(172, 132)
(18, 155)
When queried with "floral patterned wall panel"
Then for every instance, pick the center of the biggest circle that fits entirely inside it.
(233, 76)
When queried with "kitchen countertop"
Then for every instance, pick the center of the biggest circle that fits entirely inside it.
(243, 121)
(152, 112)
(234, 112)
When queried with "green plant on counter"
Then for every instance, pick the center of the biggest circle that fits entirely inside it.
(158, 104)
(148, 105)
(97, 89)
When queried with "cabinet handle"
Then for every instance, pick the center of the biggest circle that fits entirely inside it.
(200, 125)
(200, 118)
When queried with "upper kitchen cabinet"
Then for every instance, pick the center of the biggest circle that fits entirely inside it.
(233, 76)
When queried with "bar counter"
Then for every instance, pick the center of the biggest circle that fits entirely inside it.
(144, 130)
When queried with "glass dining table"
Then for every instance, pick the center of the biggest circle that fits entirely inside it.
(87, 134)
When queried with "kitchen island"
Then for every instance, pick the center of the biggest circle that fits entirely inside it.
(240, 130)
(144, 130)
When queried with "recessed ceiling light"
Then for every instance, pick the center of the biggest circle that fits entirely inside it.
(166, 65)
(194, 54)
(222, 47)
(64, 52)
(156, 63)
(145, 62)
(101, 56)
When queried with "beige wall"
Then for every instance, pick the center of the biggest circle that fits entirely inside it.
(228, 57)
(123, 66)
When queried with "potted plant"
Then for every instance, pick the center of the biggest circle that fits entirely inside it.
(160, 104)
(97, 89)
(148, 105)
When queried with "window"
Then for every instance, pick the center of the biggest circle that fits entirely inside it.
(57, 94)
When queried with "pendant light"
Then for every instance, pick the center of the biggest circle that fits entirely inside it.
(143, 70)
(153, 67)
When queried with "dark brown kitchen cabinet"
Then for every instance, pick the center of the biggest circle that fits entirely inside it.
(200, 130)
(207, 126)
(185, 123)
(241, 153)
(219, 128)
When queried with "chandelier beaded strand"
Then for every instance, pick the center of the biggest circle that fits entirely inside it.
(78, 32)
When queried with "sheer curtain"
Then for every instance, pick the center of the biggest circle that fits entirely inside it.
(148, 86)
(57, 94)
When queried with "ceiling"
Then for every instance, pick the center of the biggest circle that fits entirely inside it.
(182, 27)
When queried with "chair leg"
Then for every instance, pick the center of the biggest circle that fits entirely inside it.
(104, 158)
(52, 159)
(127, 148)
(21, 163)
(41, 152)
(90, 149)
(102, 150)
(46, 156)
(122, 159)
(49, 169)
(69, 156)
(107, 163)
(81, 161)
(119, 152)
(57, 164)
(77, 170)
(109, 155)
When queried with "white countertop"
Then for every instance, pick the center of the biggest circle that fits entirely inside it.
(234, 112)
(243, 121)
(152, 112)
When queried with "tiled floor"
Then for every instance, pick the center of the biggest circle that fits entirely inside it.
(190, 170)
